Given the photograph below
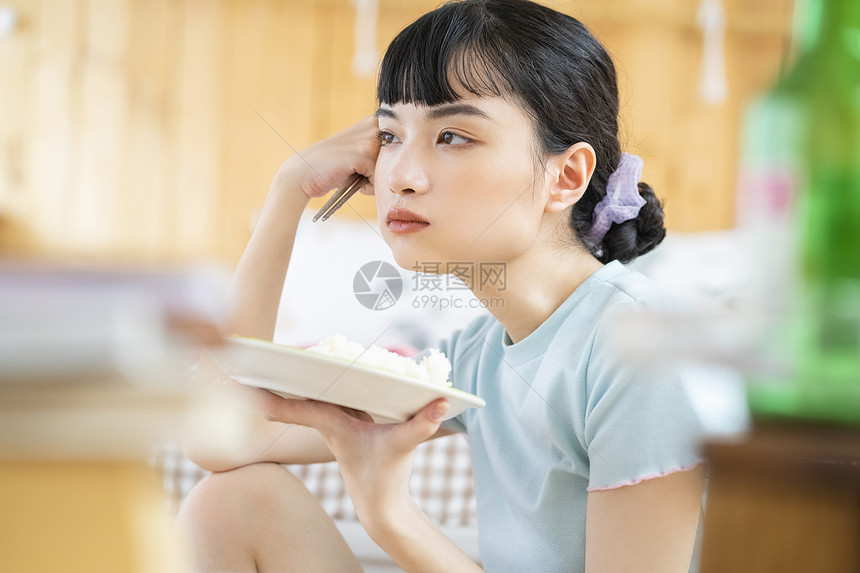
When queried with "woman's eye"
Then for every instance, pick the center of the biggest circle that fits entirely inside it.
(450, 138)
(386, 137)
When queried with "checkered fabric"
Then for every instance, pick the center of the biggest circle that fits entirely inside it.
(441, 481)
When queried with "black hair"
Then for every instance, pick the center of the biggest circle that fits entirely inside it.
(555, 70)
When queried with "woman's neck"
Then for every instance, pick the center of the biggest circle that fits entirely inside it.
(535, 285)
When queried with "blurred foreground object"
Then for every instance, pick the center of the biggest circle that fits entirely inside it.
(800, 196)
(91, 378)
(59, 325)
(784, 499)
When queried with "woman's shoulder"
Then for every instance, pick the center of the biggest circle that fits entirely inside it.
(621, 287)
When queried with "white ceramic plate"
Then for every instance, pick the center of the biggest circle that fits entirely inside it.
(295, 373)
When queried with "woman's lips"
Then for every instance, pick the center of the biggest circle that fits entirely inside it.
(404, 221)
(399, 227)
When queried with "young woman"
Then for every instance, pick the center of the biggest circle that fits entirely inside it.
(495, 141)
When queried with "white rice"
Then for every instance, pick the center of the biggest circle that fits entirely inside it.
(434, 367)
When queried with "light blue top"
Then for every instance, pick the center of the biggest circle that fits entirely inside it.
(565, 416)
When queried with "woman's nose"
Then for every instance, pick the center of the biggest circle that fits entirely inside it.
(408, 173)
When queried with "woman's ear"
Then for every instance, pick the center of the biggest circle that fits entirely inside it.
(575, 168)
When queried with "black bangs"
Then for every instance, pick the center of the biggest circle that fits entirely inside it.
(440, 55)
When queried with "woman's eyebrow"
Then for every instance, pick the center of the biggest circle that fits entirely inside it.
(447, 110)
(440, 111)
(385, 112)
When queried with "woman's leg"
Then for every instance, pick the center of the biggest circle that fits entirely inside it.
(261, 518)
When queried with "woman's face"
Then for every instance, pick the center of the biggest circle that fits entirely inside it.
(456, 182)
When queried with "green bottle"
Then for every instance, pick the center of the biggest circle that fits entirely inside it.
(803, 141)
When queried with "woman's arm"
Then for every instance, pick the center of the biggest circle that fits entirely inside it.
(243, 435)
(650, 526)
(255, 291)
(257, 284)
(417, 544)
(266, 442)
(375, 461)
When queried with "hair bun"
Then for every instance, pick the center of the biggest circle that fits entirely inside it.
(633, 238)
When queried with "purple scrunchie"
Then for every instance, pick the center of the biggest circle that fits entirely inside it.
(622, 201)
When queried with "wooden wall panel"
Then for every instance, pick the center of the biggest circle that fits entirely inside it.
(51, 153)
(16, 57)
(269, 88)
(244, 186)
(146, 184)
(290, 58)
(151, 129)
(198, 129)
(97, 190)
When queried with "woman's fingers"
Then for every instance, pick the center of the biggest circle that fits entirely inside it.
(367, 188)
(423, 425)
(331, 161)
(323, 416)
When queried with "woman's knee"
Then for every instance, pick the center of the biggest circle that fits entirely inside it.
(246, 490)
(241, 495)
(264, 514)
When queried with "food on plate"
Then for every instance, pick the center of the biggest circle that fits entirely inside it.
(434, 367)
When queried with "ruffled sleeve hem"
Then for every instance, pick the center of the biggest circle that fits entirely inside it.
(640, 480)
